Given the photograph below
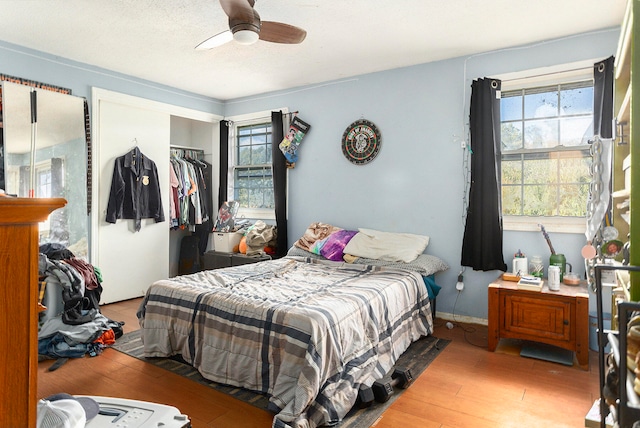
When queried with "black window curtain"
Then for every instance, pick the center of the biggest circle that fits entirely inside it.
(482, 241)
(279, 183)
(603, 98)
(224, 166)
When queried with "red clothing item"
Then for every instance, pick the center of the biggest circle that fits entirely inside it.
(86, 270)
(107, 338)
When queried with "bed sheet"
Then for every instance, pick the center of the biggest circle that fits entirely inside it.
(307, 333)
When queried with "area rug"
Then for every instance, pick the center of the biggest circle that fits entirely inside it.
(417, 358)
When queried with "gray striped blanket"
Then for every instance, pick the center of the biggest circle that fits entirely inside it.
(305, 332)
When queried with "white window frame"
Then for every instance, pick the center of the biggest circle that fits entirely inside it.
(247, 120)
(44, 166)
(44, 227)
(565, 73)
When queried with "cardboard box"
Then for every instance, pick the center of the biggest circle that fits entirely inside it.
(225, 241)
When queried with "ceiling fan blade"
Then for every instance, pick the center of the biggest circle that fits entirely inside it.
(215, 41)
(277, 32)
(240, 10)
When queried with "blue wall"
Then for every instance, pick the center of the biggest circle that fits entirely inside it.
(26, 63)
(414, 185)
(416, 182)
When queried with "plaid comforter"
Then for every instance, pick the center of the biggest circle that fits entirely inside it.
(306, 332)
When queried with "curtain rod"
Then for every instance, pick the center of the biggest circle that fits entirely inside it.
(546, 74)
(291, 113)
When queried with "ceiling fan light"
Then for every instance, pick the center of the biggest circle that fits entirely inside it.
(245, 37)
(215, 41)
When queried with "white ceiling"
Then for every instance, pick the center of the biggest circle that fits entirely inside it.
(155, 39)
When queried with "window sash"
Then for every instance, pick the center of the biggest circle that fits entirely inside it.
(251, 169)
(534, 180)
(537, 184)
(43, 183)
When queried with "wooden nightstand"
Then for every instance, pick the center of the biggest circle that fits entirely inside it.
(558, 318)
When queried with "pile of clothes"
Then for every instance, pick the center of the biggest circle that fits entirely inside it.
(79, 328)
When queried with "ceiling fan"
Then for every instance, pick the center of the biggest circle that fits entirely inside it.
(245, 27)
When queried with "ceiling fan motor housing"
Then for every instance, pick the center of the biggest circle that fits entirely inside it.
(245, 32)
(246, 28)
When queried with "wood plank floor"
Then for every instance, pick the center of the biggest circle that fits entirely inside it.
(466, 386)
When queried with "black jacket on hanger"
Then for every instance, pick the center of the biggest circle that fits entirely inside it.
(135, 190)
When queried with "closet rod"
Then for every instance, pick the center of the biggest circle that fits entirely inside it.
(195, 149)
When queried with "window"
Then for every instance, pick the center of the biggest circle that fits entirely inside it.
(43, 188)
(252, 182)
(43, 180)
(546, 158)
(250, 177)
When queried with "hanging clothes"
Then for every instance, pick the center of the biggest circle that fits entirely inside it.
(190, 191)
(174, 201)
(204, 230)
(135, 190)
(181, 188)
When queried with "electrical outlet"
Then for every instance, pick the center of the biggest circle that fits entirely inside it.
(463, 144)
(460, 283)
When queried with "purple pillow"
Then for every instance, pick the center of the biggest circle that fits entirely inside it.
(335, 243)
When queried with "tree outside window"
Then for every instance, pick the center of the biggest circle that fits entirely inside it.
(545, 146)
(253, 178)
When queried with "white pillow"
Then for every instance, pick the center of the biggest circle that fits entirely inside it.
(387, 246)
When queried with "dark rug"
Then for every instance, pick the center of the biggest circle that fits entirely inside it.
(417, 358)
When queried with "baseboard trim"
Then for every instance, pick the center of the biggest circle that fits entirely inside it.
(461, 318)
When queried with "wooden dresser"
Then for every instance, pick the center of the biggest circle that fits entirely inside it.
(558, 318)
(19, 218)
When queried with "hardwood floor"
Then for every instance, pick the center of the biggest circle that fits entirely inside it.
(466, 386)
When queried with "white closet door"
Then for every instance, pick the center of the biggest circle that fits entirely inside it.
(130, 261)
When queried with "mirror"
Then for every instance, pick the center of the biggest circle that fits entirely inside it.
(48, 158)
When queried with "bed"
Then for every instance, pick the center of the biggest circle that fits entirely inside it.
(304, 330)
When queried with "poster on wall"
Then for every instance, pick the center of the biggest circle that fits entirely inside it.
(226, 216)
(291, 142)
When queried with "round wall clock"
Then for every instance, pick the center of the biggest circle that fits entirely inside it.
(361, 142)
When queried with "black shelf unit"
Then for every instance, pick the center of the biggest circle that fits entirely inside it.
(218, 259)
(626, 411)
